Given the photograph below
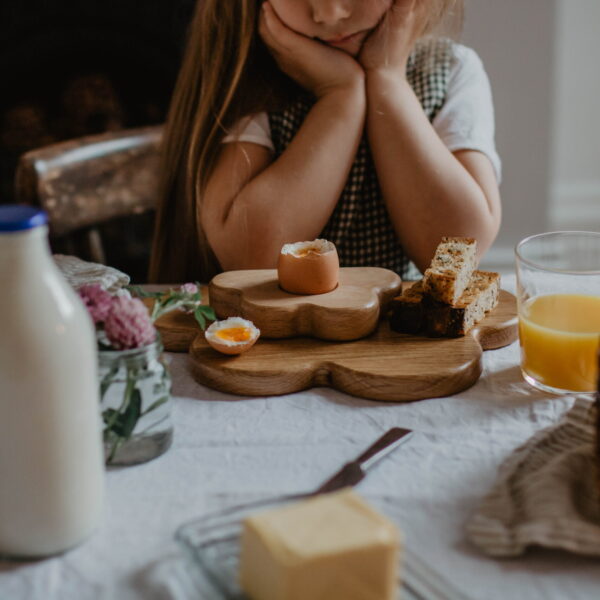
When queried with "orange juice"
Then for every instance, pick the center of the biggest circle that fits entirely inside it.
(559, 336)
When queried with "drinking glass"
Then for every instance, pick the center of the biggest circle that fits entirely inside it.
(558, 297)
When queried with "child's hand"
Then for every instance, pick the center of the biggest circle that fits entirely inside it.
(390, 45)
(313, 65)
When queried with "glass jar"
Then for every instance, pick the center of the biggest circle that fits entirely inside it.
(135, 400)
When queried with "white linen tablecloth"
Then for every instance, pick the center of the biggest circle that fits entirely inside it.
(228, 449)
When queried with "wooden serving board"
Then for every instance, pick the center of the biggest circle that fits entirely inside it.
(349, 312)
(385, 366)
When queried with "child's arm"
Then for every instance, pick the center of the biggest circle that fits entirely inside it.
(430, 192)
(252, 205)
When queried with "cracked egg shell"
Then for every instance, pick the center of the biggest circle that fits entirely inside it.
(232, 336)
(308, 267)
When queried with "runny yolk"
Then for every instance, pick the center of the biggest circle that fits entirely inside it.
(234, 334)
(306, 251)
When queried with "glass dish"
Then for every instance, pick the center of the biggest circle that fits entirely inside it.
(211, 544)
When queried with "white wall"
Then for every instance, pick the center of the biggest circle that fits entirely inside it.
(515, 39)
(576, 150)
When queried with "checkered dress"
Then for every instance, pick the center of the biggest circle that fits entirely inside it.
(360, 226)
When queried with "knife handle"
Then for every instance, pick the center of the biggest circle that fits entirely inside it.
(388, 440)
(353, 472)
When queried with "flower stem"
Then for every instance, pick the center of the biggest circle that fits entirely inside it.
(114, 449)
(129, 387)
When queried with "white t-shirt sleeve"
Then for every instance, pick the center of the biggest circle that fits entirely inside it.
(255, 129)
(466, 120)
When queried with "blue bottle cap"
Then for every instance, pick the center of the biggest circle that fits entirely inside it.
(18, 217)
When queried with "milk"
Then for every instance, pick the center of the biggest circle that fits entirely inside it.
(51, 459)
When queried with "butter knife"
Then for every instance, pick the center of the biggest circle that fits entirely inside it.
(353, 472)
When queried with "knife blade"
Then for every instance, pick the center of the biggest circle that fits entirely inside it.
(353, 472)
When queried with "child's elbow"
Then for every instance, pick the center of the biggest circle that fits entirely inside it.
(489, 230)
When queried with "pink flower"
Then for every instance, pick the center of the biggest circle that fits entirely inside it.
(128, 324)
(189, 288)
(97, 300)
(188, 305)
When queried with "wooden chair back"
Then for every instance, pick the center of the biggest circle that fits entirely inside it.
(88, 181)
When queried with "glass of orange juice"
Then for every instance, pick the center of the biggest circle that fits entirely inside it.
(558, 297)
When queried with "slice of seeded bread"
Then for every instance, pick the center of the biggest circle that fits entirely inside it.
(478, 299)
(451, 268)
(417, 312)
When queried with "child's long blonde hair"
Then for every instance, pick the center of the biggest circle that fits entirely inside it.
(226, 73)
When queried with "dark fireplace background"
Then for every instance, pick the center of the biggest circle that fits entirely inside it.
(73, 68)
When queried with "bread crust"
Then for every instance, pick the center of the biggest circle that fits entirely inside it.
(408, 310)
(451, 269)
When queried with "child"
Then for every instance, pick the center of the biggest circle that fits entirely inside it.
(341, 119)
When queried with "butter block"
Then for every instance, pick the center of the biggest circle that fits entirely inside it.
(330, 547)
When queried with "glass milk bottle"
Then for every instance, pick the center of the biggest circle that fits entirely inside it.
(51, 459)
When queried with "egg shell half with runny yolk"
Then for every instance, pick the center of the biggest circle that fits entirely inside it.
(232, 336)
(308, 267)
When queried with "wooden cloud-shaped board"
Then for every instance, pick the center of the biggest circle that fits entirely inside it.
(385, 365)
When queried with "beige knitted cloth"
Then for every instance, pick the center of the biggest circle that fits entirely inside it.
(546, 493)
(80, 272)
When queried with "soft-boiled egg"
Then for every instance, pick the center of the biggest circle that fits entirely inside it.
(308, 267)
(232, 336)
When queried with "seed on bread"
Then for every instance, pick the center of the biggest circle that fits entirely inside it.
(451, 268)
(480, 296)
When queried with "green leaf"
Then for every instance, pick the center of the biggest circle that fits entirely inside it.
(199, 316)
(127, 420)
(117, 421)
(207, 312)
(202, 313)
(109, 416)
(156, 404)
